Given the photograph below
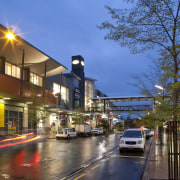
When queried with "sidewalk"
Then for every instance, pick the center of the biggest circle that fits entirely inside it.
(157, 163)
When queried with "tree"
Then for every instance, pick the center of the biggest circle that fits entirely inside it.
(152, 24)
(147, 25)
(103, 123)
(146, 82)
(119, 126)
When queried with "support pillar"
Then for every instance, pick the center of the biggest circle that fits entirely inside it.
(25, 119)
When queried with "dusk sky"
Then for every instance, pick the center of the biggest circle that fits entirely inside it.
(65, 28)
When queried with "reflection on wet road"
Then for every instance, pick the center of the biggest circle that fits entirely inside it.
(53, 159)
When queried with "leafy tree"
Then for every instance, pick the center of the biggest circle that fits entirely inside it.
(146, 81)
(150, 24)
(103, 123)
(119, 126)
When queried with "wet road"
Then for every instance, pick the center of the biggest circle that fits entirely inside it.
(55, 159)
(116, 166)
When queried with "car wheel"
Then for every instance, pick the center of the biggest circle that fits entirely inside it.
(120, 150)
(68, 137)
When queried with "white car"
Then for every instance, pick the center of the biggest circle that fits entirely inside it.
(97, 131)
(133, 139)
(66, 133)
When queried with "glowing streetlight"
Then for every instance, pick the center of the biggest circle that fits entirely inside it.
(159, 87)
(10, 36)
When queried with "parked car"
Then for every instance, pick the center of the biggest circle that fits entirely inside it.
(66, 133)
(134, 139)
(97, 131)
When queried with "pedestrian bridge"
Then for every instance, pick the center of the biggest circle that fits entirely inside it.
(122, 104)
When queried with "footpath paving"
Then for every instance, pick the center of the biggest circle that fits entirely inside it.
(157, 162)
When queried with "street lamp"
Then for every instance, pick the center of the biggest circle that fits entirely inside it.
(10, 36)
(161, 88)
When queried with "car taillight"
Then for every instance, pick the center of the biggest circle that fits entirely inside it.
(65, 132)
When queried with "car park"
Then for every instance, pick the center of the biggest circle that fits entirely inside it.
(133, 139)
(66, 133)
(97, 131)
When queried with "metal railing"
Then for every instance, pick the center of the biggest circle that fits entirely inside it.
(174, 150)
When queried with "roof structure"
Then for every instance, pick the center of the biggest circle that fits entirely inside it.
(34, 59)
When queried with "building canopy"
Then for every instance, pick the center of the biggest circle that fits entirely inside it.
(34, 59)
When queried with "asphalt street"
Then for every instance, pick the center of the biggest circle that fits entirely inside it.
(97, 157)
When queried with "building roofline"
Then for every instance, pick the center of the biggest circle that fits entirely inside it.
(30, 50)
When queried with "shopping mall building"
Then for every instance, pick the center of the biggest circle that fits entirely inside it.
(36, 92)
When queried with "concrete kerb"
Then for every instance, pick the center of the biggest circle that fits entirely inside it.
(145, 175)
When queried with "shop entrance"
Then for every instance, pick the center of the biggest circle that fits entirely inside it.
(13, 122)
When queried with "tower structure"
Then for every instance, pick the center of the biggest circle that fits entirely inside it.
(78, 69)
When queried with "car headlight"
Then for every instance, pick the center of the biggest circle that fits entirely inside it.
(140, 142)
(121, 141)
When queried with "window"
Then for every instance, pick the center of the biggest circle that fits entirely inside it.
(64, 91)
(132, 134)
(36, 79)
(12, 70)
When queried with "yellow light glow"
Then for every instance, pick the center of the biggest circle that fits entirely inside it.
(6, 98)
(10, 36)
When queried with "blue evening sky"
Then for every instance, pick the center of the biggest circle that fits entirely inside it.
(64, 28)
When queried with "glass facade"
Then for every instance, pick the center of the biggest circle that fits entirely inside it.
(64, 92)
(13, 121)
(89, 93)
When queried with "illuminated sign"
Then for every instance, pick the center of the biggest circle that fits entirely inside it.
(77, 96)
(1, 115)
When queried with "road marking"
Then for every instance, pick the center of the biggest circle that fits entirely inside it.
(139, 157)
(115, 155)
(128, 156)
(107, 159)
(79, 177)
(95, 166)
